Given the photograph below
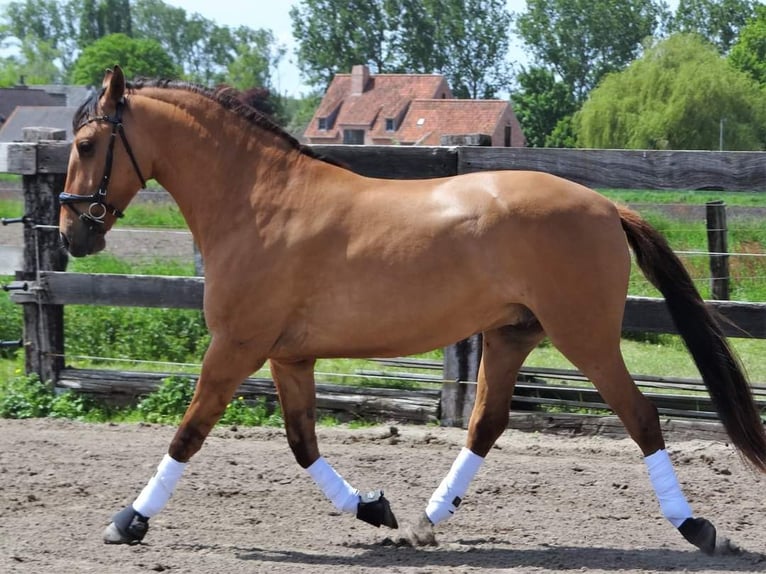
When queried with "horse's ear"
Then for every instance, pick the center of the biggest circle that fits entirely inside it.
(114, 85)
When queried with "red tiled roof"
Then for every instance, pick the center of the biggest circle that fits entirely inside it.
(385, 96)
(427, 120)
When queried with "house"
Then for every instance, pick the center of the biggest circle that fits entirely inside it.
(23, 95)
(405, 109)
(50, 106)
(59, 117)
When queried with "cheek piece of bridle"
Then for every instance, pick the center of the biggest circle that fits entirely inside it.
(98, 206)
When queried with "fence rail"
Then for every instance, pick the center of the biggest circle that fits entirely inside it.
(43, 287)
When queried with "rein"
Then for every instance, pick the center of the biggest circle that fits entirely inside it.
(99, 207)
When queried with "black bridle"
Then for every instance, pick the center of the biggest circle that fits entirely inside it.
(99, 207)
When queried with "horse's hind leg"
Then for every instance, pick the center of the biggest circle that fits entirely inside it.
(225, 366)
(592, 342)
(504, 351)
(295, 385)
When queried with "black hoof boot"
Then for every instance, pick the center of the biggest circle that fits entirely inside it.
(127, 527)
(702, 534)
(374, 509)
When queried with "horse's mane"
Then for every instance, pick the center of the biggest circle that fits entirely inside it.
(226, 96)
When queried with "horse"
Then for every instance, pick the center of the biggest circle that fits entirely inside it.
(305, 259)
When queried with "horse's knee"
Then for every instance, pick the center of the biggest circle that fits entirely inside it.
(302, 441)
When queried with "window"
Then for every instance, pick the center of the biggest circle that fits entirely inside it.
(353, 137)
(322, 123)
(390, 124)
(507, 136)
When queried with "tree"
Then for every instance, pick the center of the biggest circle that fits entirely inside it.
(465, 40)
(334, 35)
(138, 57)
(583, 40)
(48, 24)
(718, 21)
(677, 96)
(749, 52)
(256, 54)
(540, 103)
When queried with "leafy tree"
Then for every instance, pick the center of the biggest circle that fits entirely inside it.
(583, 40)
(466, 40)
(718, 21)
(749, 52)
(540, 103)
(48, 24)
(256, 54)
(675, 97)
(138, 57)
(334, 35)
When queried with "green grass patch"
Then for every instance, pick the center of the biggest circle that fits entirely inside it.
(691, 197)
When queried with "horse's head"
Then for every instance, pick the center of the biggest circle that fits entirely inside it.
(103, 174)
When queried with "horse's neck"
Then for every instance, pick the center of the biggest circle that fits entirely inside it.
(213, 162)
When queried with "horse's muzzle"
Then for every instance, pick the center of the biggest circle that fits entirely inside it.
(83, 242)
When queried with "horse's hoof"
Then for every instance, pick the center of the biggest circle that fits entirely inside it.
(375, 509)
(703, 535)
(419, 534)
(127, 527)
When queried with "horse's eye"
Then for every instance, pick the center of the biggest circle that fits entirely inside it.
(85, 147)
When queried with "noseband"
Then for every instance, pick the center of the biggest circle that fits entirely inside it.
(99, 207)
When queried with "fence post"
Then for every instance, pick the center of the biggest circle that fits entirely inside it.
(717, 242)
(461, 360)
(43, 324)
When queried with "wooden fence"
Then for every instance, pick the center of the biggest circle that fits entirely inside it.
(43, 287)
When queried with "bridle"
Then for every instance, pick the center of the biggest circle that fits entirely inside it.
(99, 207)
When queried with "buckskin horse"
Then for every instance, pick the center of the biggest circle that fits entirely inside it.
(305, 259)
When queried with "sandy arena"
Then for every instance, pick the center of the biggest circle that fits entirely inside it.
(541, 503)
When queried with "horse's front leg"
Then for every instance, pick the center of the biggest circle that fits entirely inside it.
(295, 385)
(225, 366)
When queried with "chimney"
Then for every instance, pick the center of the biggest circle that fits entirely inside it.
(360, 75)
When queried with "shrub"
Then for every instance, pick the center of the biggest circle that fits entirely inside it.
(168, 403)
(25, 397)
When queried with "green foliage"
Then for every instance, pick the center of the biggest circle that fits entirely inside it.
(718, 21)
(540, 103)
(675, 97)
(174, 335)
(581, 41)
(138, 57)
(11, 321)
(749, 52)
(25, 398)
(168, 403)
(466, 40)
(240, 412)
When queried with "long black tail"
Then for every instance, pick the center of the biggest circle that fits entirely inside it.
(702, 334)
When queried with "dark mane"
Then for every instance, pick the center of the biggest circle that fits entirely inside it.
(227, 97)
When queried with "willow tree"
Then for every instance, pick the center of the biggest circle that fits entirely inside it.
(682, 94)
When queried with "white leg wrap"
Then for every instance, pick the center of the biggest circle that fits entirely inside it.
(447, 497)
(672, 501)
(158, 491)
(341, 494)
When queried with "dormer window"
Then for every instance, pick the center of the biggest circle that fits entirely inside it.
(323, 124)
(390, 127)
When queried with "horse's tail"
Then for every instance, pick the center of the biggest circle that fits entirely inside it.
(702, 334)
